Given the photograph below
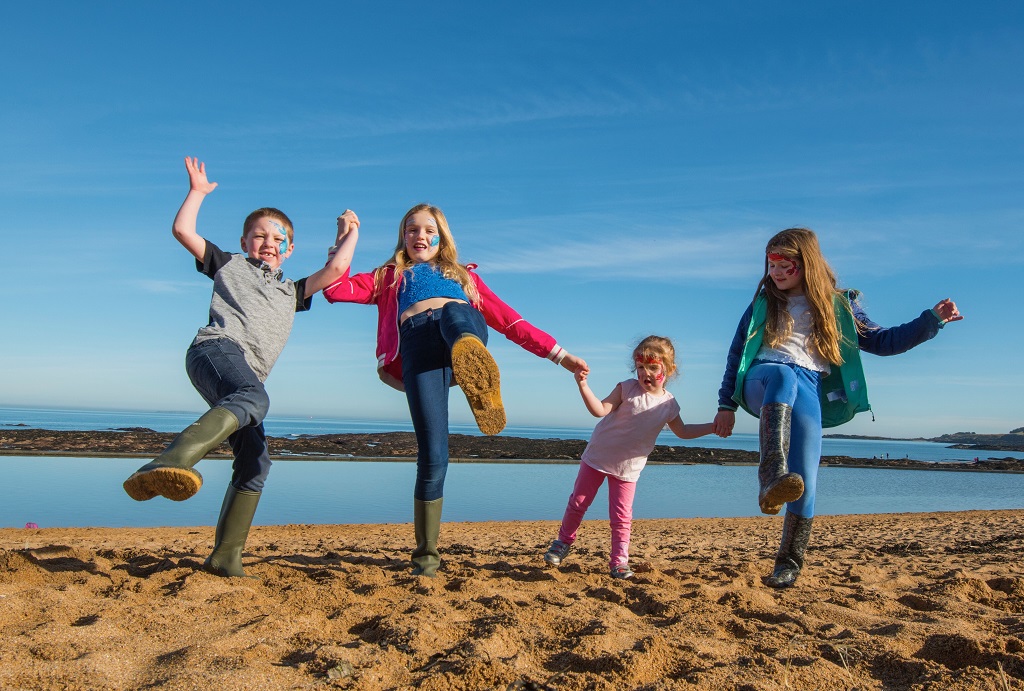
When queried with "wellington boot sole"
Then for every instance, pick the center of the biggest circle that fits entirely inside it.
(476, 372)
(788, 488)
(177, 484)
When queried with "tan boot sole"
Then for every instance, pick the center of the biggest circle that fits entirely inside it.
(476, 372)
(788, 488)
(177, 484)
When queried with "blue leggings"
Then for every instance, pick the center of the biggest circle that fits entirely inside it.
(797, 387)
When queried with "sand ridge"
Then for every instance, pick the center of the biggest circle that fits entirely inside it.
(908, 601)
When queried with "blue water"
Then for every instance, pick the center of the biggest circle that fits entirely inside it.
(87, 492)
(65, 492)
(45, 418)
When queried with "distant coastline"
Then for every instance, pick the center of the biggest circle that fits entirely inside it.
(1013, 441)
(139, 442)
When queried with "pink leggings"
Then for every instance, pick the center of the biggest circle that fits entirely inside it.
(620, 510)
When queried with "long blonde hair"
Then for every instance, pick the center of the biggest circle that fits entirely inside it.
(446, 259)
(800, 245)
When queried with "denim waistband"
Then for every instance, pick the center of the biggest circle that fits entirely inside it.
(420, 319)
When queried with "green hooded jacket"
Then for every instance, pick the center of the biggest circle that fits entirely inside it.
(843, 391)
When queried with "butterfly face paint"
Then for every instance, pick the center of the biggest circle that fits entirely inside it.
(421, 237)
(284, 243)
(651, 367)
(785, 272)
(794, 267)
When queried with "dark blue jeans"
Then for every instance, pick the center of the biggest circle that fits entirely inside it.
(426, 345)
(218, 370)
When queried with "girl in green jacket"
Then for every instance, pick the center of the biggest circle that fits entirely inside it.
(795, 364)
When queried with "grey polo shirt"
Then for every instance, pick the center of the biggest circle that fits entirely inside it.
(252, 304)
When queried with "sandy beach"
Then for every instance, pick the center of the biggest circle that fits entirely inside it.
(913, 601)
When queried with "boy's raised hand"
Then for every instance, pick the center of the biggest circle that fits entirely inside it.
(197, 176)
(348, 221)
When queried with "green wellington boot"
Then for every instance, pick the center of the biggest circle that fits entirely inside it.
(170, 474)
(796, 533)
(427, 524)
(777, 484)
(476, 373)
(236, 516)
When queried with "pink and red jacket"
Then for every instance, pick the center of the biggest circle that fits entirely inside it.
(498, 315)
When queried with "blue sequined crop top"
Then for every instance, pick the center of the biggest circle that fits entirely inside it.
(422, 282)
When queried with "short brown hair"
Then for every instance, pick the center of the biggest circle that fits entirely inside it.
(269, 212)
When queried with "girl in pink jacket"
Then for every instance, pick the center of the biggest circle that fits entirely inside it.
(433, 314)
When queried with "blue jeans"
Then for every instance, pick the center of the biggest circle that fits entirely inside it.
(218, 370)
(797, 387)
(426, 346)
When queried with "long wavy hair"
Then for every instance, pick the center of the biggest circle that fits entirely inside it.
(800, 245)
(446, 259)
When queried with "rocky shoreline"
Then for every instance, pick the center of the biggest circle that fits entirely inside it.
(143, 442)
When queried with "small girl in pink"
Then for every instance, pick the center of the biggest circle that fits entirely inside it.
(633, 415)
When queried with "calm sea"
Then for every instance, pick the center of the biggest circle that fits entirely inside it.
(46, 418)
(87, 492)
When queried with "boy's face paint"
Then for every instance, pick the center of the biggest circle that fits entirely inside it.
(267, 241)
(280, 229)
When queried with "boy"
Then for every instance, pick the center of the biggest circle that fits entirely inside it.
(251, 314)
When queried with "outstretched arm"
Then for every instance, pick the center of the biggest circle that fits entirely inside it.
(596, 406)
(684, 431)
(893, 340)
(184, 227)
(345, 247)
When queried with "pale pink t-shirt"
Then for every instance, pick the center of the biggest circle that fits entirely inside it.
(625, 437)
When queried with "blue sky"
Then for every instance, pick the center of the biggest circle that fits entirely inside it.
(615, 170)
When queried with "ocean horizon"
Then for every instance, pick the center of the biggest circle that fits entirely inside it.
(83, 419)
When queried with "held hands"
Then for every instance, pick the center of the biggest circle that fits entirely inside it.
(348, 227)
(575, 365)
(348, 221)
(197, 176)
(724, 422)
(581, 377)
(946, 311)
